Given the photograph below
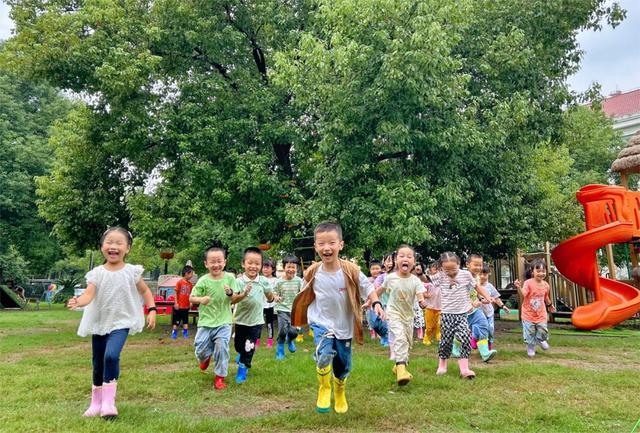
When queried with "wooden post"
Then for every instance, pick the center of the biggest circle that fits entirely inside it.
(610, 263)
(623, 179)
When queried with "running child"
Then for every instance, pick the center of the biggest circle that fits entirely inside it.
(215, 292)
(488, 309)
(113, 299)
(248, 318)
(182, 304)
(286, 289)
(268, 270)
(536, 300)
(330, 303)
(403, 288)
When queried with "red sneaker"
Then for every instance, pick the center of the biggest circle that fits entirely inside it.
(205, 364)
(218, 383)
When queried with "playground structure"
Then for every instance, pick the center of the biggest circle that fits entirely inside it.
(612, 215)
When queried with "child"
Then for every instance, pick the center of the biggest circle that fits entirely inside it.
(330, 303)
(286, 290)
(113, 296)
(432, 312)
(477, 319)
(454, 285)
(535, 294)
(487, 309)
(215, 292)
(403, 287)
(248, 317)
(182, 304)
(268, 268)
(375, 269)
(388, 266)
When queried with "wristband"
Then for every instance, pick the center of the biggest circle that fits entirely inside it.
(229, 293)
(150, 309)
(373, 305)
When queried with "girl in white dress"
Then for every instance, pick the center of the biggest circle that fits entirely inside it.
(113, 298)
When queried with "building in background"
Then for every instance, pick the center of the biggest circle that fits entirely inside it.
(624, 109)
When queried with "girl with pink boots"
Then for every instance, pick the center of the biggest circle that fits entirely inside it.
(455, 285)
(113, 299)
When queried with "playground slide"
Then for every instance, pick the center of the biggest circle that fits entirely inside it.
(8, 299)
(576, 259)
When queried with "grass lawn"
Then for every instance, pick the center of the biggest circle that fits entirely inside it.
(587, 382)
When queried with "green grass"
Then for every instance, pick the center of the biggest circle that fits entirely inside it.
(586, 382)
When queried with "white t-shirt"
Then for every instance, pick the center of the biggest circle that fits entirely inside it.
(117, 304)
(331, 308)
(267, 304)
(402, 295)
(487, 309)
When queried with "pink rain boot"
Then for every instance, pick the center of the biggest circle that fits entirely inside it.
(420, 333)
(96, 401)
(465, 373)
(269, 343)
(257, 343)
(108, 410)
(372, 334)
(474, 343)
(442, 367)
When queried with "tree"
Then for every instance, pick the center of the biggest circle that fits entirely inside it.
(408, 121)
(27, 110)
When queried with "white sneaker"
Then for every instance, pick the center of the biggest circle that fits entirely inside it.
(531, 350)
(544, 345)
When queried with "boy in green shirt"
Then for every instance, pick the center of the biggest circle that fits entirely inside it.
(286, 290)
(249, 316)
(215, 292)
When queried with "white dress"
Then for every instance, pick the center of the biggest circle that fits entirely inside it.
(117, 304)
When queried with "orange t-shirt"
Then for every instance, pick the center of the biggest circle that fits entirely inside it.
(183, 290)
(534, 308)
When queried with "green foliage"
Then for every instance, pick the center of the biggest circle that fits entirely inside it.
(27, 110)
(13, 266)
(436, 123)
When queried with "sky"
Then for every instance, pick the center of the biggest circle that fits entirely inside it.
(611, 56)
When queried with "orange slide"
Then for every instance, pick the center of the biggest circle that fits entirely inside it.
(612, 215)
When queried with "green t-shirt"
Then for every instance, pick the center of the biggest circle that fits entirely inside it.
(288, 289)
(218, 311)
(249, 310)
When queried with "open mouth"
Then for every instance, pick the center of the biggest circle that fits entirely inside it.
(113, 254)
(404, 267)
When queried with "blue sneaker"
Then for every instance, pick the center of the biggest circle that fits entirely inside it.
(174, 334)
(280, 352)
(185, 333)
(292, 346)
(241, 375)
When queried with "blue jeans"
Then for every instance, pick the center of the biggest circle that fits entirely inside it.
(492, 327)
(478, 324)
(106, 355)
(214, 342)
(331, 351)
(381, 327)
(534, 332)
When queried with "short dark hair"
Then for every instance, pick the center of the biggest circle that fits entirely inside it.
(124, 231)
(268, 262)
(328, 226)
(290, 259)
(405, 246)
(186, 270)
(210, 249)
(252, 250)
(486, 269)
(474, 256)
(375, 262)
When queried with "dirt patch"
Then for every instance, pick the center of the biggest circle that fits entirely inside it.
(252, 407)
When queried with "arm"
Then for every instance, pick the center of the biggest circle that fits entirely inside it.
(548, 303)
(482, 292)
(239, 296)
(204, 300)
(84, 299)
(144, 290)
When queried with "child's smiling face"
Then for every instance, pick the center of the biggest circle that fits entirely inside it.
(328, 245)
(290, 270)
(115, 247)
(215, 263)
(252, 263)
(475, 265)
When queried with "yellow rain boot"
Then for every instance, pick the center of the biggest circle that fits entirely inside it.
(340, 395)
(402, 375)
(323, 405)
(299, 338)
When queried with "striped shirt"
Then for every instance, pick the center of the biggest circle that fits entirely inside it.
(454, 292)
(287, 289)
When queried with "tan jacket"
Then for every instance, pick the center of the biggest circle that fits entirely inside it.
(307, 296)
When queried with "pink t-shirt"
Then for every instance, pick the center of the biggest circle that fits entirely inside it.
(533, 305)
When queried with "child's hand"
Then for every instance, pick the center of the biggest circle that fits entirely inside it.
(72, 303)
(227, 290)
(277, 298)
(422, 304)
(247, 289)
(476, 304)
(552, 309)
(485, 301)
(516, 284)
(151, 320)
(366, 305)
(506, 309)
(205, 300)
(380, 311)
